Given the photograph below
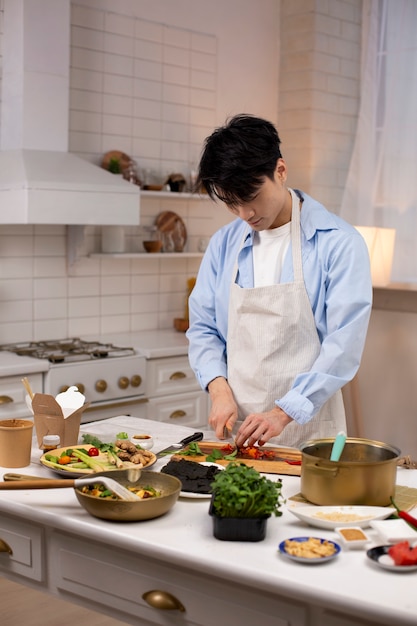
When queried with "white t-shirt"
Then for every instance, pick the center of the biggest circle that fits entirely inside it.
(269, 249)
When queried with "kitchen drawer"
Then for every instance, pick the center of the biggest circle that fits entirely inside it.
(185, 409)
(169, 375)
(26, 542)
(114, 581)
(13, 395)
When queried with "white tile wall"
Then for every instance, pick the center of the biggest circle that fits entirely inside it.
(155, 91)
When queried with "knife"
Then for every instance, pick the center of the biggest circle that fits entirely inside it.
(181, 444)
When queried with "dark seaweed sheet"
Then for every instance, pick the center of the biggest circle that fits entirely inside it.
(194, 477)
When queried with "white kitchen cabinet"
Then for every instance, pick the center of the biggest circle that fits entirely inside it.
(13, 396)
(21, 549)
(174, 394)
(118, 581)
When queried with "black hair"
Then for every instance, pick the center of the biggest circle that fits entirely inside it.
(237, 158)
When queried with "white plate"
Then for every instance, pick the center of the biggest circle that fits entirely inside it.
(392, 530)
(197, 496)
(307, 561)
(362, 515)
(380, 556)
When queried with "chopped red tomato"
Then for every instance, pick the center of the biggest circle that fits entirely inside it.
(227, 448)
(93, 452)
(402, 554)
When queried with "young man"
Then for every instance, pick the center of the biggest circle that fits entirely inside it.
(280, 309)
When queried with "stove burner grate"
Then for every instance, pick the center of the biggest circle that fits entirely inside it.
(67, 350)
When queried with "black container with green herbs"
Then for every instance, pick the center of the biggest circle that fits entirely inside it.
(242, 502)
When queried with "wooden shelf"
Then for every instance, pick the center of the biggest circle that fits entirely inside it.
(152, 255)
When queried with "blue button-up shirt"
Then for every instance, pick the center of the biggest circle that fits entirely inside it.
(338, 282)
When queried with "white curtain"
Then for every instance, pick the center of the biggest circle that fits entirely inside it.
(381, 187)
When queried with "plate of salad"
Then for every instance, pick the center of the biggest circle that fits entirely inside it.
(95, 456)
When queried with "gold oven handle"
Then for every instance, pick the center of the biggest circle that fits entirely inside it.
(5, 399)
(4, 547)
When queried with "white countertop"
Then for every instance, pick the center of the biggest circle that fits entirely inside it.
(150, 343)
(184, 537)
(14, 365)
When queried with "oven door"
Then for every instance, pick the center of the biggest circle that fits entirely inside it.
(134, 407)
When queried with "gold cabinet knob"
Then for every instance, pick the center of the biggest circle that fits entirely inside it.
(5, 399)
(177, 375)
(123, 382)
(80, 387)
(136, 380)
(177, 414)
(101, 386)
(163, 600)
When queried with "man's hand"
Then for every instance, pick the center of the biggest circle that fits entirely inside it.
(260, 427)
(223, 406)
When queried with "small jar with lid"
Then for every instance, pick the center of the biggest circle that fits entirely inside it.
(50, 442)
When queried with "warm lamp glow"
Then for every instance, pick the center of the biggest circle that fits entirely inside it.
(380, 242)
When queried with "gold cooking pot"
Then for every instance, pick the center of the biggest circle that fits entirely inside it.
(365, 474)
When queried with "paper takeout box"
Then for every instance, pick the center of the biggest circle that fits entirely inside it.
(49, 420)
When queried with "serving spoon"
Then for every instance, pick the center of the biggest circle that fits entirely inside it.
(56, 483)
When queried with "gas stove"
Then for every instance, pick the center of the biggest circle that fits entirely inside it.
(67, 350)
(112, 378)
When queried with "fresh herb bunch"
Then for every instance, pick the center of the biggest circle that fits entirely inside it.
(240, 491)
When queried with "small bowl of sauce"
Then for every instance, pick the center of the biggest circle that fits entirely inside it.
(352, 537)
(143, 440)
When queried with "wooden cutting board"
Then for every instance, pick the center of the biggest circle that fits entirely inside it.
(277, 465)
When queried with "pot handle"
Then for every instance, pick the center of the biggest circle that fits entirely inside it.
(320, 469)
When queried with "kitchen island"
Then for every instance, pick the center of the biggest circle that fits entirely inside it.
(107, 567)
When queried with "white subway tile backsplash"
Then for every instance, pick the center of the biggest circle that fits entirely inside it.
(176, 37)
(119, 24)
(44, 287)
(176, 56)
(118, 44)
(115, 323)
(16, 289)
(84, 307)
(149, 89)
(84, 121)
(148, 69)
(119, 85)
(50, 309)
(118, 64)
(15, 267)
(150, 109)
(145, 304)
(16, 331)
(148, 50)
(83, 100)
(175, 74)
(111, 285)
(204, 43)
(16, 311)
(203, 80)
(87, 59)
(86, 17)
(117, 125)
(151, 31)
(83, 286)
(87, 38)
(50, 329)
(86, 80)
(176, 93)
(118, 105)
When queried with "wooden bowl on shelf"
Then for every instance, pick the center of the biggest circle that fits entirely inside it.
(152, 246)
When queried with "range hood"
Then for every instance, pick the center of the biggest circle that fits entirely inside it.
(41, 182)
